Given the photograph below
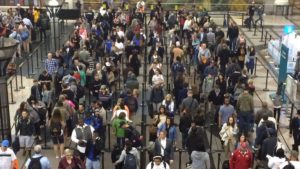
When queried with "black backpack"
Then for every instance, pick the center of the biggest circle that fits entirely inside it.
(130, 162)
(35, 163)
(165, 165)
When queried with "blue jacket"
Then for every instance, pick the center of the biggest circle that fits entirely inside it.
(172, 134)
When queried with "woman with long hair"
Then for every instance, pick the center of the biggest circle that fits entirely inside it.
(56, 126)
(227, 134)
(69, 161)
(168, 102)
(170, 129)
(161, 117)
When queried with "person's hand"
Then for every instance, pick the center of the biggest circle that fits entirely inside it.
(171, 161)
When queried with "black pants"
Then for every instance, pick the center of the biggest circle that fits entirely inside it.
(43, 32)
(277, 111)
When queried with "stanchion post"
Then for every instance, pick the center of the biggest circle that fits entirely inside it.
(21, 74)
(11, 93)
(37, 60)
(219, 160)
(45, 136)
(32, 67)
(266, 36)
(243, 19)
(180, 156)
(108, 136)
(255, 27)
(167, 63)
(292, 112)
(255, 66)
(102, 159)
(267, 77)
(262, 34)
(17, 88)
(28, 67)
(210, 141)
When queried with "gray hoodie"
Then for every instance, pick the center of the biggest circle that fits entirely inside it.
(200, 160)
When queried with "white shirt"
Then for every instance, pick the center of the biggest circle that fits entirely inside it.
(163, 144)
(75, 140)
(120, 34)
(6, 158)
(187, 25)
(272, 119)
(160, 166)
(118, 112)
(296, 164)
(120, 47)
(275, 162)
(157, 79)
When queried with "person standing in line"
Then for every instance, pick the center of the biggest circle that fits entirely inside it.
(241, 158)
(157, 163)
(36, 158)
(164, 147)
(7, 156)
(277, 102)
(295, 130)
(27, 130)
(200, 158)
(244, 109)
(51, 65)
(251, 11)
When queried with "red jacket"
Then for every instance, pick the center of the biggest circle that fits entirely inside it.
(241, 160)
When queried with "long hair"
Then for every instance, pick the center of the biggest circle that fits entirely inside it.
(56, 117)
(233, 123)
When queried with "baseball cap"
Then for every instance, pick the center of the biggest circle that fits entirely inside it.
(5, 143)
(157, 157)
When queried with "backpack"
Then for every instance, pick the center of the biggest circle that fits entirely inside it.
(130, 162)
(178, 67)
(35, 163)
(165, 165)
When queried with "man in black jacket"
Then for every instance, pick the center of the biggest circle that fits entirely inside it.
(93, 152)
(294, 130)
(164, 147)
(233, 33)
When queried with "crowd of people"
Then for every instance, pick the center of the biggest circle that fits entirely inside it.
(76, 101)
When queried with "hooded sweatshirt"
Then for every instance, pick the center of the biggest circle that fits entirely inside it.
(200, 160)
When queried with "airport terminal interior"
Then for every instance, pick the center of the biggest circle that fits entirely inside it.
(202, 84)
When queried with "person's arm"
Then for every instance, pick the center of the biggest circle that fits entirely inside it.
(121, 158)
(74, 136)
(232, 161)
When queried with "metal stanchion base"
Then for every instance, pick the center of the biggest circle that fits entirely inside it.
(16, 90)
(21, 87)
(31, 74)
(12, 102)
(266, 90)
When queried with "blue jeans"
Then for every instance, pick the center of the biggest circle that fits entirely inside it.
(244, 122)
(89, 164)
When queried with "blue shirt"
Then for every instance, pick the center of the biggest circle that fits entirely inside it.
(44, 161)
(51, 66)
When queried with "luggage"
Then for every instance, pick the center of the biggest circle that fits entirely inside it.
(225, 164)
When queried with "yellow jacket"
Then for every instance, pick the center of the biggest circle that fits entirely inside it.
(36, 16)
